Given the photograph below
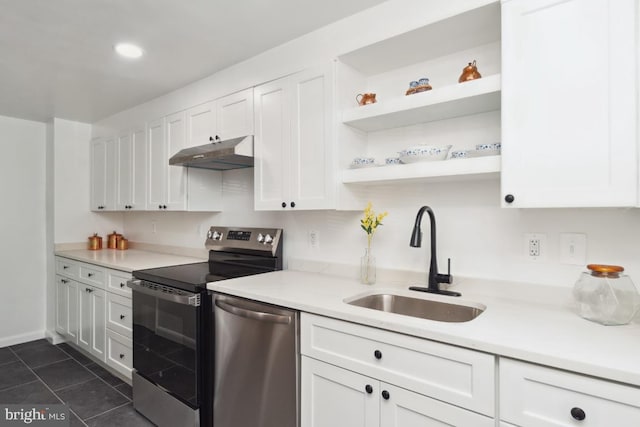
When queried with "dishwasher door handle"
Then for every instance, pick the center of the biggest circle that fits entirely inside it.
(254, 315)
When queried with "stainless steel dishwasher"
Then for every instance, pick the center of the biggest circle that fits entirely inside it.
(256, 364)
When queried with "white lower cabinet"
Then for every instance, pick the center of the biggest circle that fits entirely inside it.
(538, 396)
(354, 375)
(91, 316)
(93, 311)
(119, 353)
(67, 308)
(336, 397)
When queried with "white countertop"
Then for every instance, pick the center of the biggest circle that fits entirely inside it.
(128, 260)
(522, 321)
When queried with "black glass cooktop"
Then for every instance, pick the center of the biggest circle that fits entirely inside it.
(189, 277)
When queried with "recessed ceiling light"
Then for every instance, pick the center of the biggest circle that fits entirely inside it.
(128, 50)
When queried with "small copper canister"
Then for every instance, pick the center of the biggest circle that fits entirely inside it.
(113, 239)
(95, 242)
(123, 244)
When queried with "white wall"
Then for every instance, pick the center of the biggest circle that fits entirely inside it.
(23, 251)
(74, 222)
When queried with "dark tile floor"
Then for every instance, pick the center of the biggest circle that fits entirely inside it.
(38, 372)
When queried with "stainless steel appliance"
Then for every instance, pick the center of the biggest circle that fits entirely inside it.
(256, 368)
(173, 324)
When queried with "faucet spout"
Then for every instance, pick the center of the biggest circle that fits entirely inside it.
(435, 278)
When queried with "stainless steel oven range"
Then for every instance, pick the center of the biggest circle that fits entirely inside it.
(173, 333)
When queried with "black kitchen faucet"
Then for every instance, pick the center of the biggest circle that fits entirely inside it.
(435, 278)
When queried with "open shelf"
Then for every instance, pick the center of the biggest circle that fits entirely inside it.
(454, 169)
(461, 99)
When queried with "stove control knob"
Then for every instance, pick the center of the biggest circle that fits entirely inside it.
(209, 234)
(216, 235)
(260, 238)
(268, 239)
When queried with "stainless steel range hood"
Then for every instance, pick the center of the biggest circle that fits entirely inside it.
(233, 153)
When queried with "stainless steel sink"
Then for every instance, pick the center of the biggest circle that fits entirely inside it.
(417, 307)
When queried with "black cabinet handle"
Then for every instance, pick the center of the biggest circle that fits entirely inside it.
(122, 316)
(385, 395)
(164, 206)
(122, 285)
(89, 274)
(64, 281)
(578, 414)
(293, 204)
(377, 354)
(509, 198)
(368, 389)
(284, 205)
(64, 267)
(121, 356)
(159, 206)
(88, 290)
(210, 138)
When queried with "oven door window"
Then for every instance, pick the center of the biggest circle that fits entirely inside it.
(165, 345)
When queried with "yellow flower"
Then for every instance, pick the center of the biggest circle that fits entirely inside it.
(370, 221)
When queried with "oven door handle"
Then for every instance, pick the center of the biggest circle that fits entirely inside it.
(191, 299)
(251, 314)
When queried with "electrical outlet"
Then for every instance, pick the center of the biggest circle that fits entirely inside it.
(314, 239)
(535, 245)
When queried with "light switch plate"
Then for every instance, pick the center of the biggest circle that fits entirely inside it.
(573, 248)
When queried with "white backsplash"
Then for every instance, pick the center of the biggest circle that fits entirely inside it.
(482, 239)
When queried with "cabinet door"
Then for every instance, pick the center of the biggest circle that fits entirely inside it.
(569, 103)
(234, 115)
(402, 408)
(72, 310)
(157, 166)
(98, 174)
(139, 176)
(176, 175)
(84, 317)
(201, 124)
(272, 142)
(312, 165)
(62, 309)
(98, 322)
(335, 397)
(125, 171)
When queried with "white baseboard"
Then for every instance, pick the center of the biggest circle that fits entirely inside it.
(21, 338)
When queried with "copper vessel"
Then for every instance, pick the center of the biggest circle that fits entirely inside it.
(123, 244)
(112, 240)
(366, 98)
(470, 72)
(95, 242)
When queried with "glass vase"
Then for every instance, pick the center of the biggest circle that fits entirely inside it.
(368, 268)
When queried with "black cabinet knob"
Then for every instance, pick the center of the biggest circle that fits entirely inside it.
(159, 206)
(89, 274)
(217, 137)
(284, 205)
(122, 285)
(578, 414)
(164, 206)
(293, 204)
(122, 316)
(121, 356)
(368, 389)
(210, 138)
(385, 395)
(509, 198)
(377, 354)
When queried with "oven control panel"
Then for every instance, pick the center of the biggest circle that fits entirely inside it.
(251, 239)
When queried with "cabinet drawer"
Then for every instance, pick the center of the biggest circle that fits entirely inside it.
(119, 353)
(119, 314)
(117, 282)
(68, 268)
(532, 395)
(448, 373)
(92, 275)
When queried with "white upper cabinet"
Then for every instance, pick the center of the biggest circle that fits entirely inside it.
(158, 164)
(294, 127)
(228, 117)
(132, 170)
(103, 174)
(234, 115)
(176, 190)
(569, 112)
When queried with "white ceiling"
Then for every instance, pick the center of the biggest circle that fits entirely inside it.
(57, 59)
